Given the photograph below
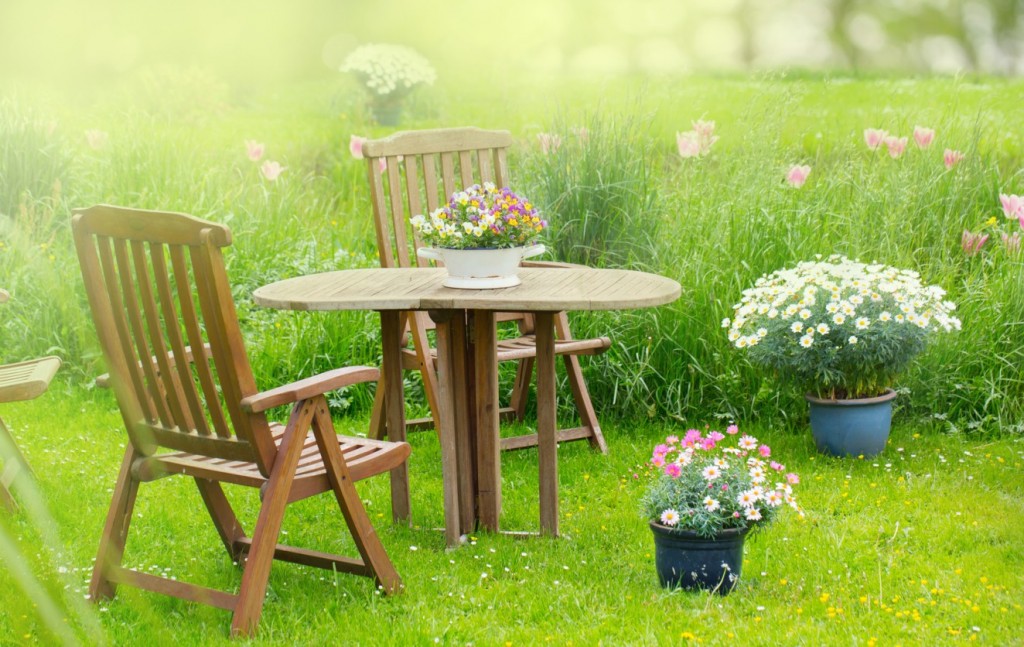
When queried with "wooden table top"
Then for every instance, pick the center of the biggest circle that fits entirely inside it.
(542, 290)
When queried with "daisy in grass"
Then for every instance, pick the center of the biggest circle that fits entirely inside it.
(752, 514)
(807, 341)
(757, 475)
(862, 323)
(670, 517)
(711, 504)
(748, 443)
(711, 472)
(721, 463)
(773, 498)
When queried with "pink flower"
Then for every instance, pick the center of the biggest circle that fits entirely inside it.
(355, 146)
(972, 243)
(951, 157)
(1013, 205)
(96, 139)
(673, 470)
(716, 436)
(732, 430)
(271, 170)
(549, 143)
(253, 149)
(689, 144)
(923, 136)
(672, 440)
(792, 478)
(660, 450)
(692, 436)
(798, 175)
(765, 451)
(874, 137)
(896, 146)
(777, 466)
(1012, 243)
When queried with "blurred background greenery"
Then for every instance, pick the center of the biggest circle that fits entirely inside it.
(81, 44)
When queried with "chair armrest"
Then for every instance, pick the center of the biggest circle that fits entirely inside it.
(309, 387)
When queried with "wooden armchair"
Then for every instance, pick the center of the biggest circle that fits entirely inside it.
(158, 291)
(20, 381)
(423, 168)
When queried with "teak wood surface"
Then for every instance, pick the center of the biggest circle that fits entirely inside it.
(466, 339)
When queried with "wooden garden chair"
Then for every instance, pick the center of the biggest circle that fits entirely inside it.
(163, 310)
(423, 169)
(20, 381)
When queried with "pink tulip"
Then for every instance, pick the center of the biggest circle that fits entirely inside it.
(688, 143)
(271, 170)
(1012, 243)
(549, 143)
(355, 146)
(874, 137)
(382, 165)
(96, 139)
(896, 146)
(923, 136)
(951, 157)
(972, 243)
(705, 134)
(1013, 205)
(798, 175)
(254, 149)
(581, 133)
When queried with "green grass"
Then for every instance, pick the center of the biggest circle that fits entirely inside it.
(917, 546)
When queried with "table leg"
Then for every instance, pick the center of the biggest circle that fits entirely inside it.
(394, 404)
(465, 438)
(449, 365)
(547, 424)
(486, 423)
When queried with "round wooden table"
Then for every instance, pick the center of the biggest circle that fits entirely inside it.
(467, 367)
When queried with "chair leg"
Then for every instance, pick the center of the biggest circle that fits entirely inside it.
(580, 394)
(115, 530)
(378, 422)
(359, 524)
(228, 527)
(521, 387)
(256, 575)
(10, 449)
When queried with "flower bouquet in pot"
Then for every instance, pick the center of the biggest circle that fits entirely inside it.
(842, 330)
(481, 235)
(388, 73)
(707, 492)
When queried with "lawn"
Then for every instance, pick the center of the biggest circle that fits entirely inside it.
(915, 546)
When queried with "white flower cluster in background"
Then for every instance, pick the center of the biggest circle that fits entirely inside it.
(822, 297)
(389, 69)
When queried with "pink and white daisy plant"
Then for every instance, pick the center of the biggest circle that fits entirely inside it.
(705, 483)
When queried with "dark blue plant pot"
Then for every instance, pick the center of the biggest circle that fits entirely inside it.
(851, 427)
(686, 560)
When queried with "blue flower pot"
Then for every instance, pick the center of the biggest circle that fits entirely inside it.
(858, 427)
(686, 560)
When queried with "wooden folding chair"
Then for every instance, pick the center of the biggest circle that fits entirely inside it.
(163, 310)
(20, 381)
(423, 169)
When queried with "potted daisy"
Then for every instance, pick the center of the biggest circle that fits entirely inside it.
(388, 73)
(842, 330)
(481, 235)
(707, 492)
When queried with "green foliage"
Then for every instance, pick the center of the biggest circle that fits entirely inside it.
(34, 161)
(595, 185)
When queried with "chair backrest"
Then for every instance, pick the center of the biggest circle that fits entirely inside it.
(433, 165)
(160, 297)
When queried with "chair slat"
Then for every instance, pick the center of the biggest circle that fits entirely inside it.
(500, 168)
(166, 375)
(486, 167)
(190, 322)
(466, 168)
(123, 337)
(185, 386)
(380, 220)
(398, 220)
(448, 173)
(143, 353)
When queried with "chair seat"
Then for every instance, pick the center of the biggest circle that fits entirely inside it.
(27, 380)
(526, 347)
(365, 457)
